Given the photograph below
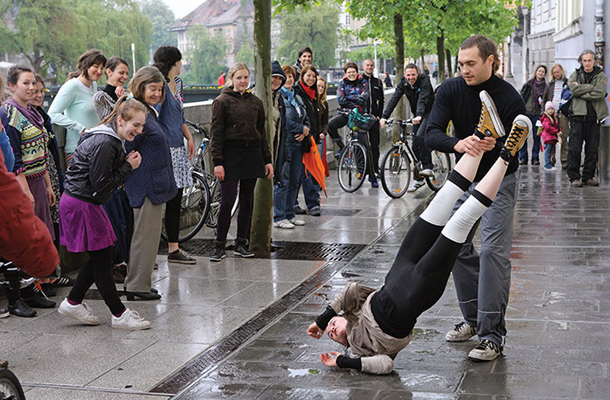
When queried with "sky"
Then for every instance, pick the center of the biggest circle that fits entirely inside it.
(183, 7)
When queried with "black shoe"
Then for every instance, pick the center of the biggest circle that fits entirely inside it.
(181, 257)
(299, 211)
(48, 289)
(39, 301)
(219, 252)
(142, 295)
(241, 249)
(315, 211)
(536, 162)
(577, 183)
(21, 309)
(591, 182)
(63, 281)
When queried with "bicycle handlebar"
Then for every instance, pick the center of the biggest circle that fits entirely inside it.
(197, 127)
(401, 122)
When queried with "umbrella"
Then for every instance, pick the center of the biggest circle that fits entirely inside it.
(313, 165)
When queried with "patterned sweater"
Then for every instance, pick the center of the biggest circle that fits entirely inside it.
(29, 142)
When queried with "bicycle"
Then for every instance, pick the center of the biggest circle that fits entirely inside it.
(353, 163)
(201, 201)
(400, 164)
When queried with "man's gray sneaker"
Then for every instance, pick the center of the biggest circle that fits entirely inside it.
(461, 333)
(485, 351)
(180, 257)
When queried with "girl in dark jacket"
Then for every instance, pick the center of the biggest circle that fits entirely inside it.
(533, 94)
(241, 155)
(353, 92)
(99, 165)
(307, 89)
(148, 188)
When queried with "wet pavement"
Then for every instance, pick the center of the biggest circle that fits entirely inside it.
(236, 329)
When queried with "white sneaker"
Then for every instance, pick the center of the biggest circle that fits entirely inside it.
(461, 333)
(485, 351)
(130, 320)
(80, 312)
(297, 222)
(414, 186)
(550, 169)
(283, 224)
(426, 172)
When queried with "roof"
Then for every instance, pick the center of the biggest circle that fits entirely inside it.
(214, 13)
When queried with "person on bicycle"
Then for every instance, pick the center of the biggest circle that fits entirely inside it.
(377, 324)
(418, 90)
(375, 107)
(353, 92)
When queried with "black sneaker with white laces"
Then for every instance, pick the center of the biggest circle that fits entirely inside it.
(63, 281)
(485, 351)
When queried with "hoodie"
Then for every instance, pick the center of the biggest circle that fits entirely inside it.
(98, 166)
(353, 94)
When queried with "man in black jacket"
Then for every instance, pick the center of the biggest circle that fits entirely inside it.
(482, 281)
(375, 107)
(418, 90)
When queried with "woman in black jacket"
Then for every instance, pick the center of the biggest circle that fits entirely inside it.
(98, 167)
(241, 155)
(533, 94)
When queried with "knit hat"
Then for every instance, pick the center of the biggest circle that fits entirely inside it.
(548, 105)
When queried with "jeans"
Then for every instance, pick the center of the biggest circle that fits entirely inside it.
(535, 147)
(286, 190)
(549, 151)
(482, 281)
(583, 129)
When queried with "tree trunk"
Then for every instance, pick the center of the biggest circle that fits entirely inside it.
(448, 58)
(422, 53)
(440, 52)
(399, 46)
(262, 217)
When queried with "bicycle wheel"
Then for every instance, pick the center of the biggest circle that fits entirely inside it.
(194, 209)
(10, 388)
(212, 219)
(396, 172)
(352, 167)
(441, 165)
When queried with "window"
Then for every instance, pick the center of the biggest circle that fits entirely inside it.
(567, 12)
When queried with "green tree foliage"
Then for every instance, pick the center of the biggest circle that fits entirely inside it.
(52, 34)
(207, 56)
(162, 18)
(316, 28)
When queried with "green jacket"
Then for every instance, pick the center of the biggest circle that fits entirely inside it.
(595, 92)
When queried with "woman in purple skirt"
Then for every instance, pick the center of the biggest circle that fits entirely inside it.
(98, 167)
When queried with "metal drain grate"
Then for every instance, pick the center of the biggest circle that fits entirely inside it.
(339, 212)
(307, 251)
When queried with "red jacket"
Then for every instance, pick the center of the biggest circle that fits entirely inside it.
(24, 238)
(550, 129)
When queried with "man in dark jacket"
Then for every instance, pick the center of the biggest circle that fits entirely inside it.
(418, 90)
(375, 107)
(588, 87)
(305, 58)
(482, 281)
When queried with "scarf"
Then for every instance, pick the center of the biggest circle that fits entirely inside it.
(29, 112)
(310, 91)
(538, 89)
(289, 97)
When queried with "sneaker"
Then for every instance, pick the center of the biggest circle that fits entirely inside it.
(550, 169)
(315, 212)
(522, 162)
(63, 281)
(80, 312)
(373, 180)
(577, 183)
(283, 224)
(297, 222)
(415, 185)
(299, 211)
(461, 333)
(522, 126)
(219, 252)
(130, 320)
(591, 182)
(535, 162)
(21, 309)
(427, 172)
(490, 124)
(241, 248)
(485, 351)
(4, 313)
(180, 257)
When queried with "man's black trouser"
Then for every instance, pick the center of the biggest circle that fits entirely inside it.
(583, 129)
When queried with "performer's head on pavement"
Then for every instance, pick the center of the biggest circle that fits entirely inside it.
(337, 330)
(478, 59)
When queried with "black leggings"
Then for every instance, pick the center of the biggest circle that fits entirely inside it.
(98, 270)
(228, 193)
(336, 122)
(172, 217)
